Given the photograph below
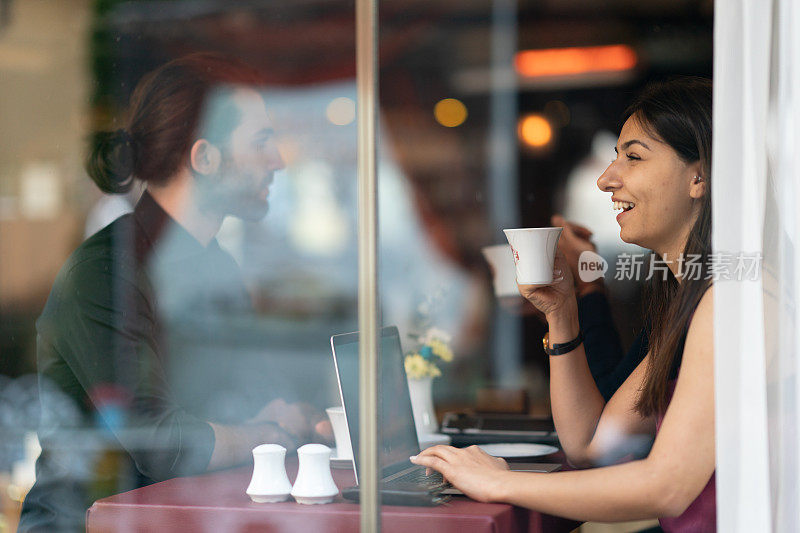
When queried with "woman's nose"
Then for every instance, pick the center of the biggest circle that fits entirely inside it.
(609, 179)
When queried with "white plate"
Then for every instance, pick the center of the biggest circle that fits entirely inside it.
(517, 449)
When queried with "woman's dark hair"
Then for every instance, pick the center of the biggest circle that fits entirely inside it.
(163, 120)
(677, 112)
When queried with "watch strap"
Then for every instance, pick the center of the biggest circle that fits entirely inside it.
(562, 347)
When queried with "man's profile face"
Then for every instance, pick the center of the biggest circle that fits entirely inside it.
(249, 156)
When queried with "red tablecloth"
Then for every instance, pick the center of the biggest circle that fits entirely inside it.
(217, 503)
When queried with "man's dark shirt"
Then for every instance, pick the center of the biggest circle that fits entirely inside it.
(103, 340)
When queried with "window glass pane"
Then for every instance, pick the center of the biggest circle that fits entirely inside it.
(162, 332)
(166, 330)
(500, 115)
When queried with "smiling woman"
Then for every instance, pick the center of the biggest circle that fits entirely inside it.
(675, 119)
(660, 178)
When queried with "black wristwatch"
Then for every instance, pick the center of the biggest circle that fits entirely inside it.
(562, 347)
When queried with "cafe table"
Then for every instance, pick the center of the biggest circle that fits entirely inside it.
(216, 502)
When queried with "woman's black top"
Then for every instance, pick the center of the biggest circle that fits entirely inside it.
(609, 365)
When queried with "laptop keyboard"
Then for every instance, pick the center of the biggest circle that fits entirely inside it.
(418, 476)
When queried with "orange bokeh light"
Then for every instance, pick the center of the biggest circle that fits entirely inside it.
(535, 131)
(570, 61)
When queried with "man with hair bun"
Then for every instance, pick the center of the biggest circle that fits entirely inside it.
(201, 140)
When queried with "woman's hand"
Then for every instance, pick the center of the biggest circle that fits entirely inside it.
(576, 239)
(549, 299)
(471, 470)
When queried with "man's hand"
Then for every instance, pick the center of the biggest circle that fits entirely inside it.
(301, 420)
(574, 240)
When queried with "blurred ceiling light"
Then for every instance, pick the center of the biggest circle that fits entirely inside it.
(450, 112)
(535, 131)
(341, 111)
(573, 61)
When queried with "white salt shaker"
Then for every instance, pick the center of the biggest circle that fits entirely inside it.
(269, 483)
(314, 483)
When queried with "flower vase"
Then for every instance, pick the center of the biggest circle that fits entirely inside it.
(421, 391)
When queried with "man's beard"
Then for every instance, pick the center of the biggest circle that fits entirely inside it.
(229, 192)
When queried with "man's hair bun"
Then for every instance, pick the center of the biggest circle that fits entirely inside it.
(111, 159)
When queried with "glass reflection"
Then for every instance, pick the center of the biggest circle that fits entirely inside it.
(134, 329)
(218, 324)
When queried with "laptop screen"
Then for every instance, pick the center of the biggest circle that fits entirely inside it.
(397, 435)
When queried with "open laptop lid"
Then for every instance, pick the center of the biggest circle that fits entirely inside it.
(397, 435)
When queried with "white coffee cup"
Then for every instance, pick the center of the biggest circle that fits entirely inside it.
(501, 260)
(534, 252)
(344, 449)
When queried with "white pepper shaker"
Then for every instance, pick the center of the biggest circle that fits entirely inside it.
(269, 483)
(314, 483)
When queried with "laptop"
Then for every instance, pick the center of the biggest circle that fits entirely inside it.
(397, 435)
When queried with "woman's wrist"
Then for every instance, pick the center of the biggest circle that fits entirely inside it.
(499, 493)
(563, 323)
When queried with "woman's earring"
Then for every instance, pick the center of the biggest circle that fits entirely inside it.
(698, 179)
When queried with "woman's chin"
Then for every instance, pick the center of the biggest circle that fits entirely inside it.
(627, 237)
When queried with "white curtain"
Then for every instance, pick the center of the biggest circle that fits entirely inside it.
(756, 181)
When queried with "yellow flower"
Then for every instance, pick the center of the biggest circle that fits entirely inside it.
(417, 367)
(441, 350)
